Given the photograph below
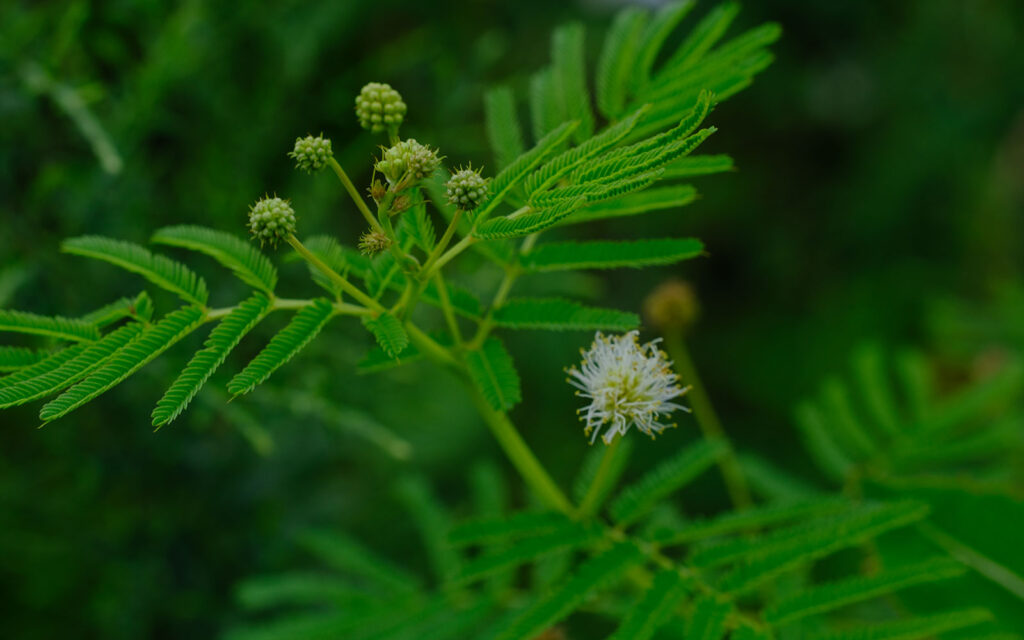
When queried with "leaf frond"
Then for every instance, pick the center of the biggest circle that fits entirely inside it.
(251, 266)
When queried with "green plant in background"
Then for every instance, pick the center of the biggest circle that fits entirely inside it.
(626, 557)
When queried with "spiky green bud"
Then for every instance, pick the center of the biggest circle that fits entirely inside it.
(373, 242)
(466, 189)
(380, 108)
(270, 220)
(408, 159)
(311, 154)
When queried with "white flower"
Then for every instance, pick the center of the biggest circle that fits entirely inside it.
(627, 384)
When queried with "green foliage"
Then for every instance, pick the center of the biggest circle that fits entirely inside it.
(286, 343)
(610, 255)
(143, 348)
(654, 609)
(224, 337)
(503, 130)
(55, 327)
(69, 372)
(639, 498)
(251, 266)
(494, 374)
(561, 315)
(389, 332)
(160, 270)
(14, 358)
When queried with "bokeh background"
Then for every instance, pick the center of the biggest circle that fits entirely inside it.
(878, 198)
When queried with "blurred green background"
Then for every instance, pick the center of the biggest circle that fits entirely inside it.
(879, 197)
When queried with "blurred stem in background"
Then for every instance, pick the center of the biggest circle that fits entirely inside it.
(707, 419)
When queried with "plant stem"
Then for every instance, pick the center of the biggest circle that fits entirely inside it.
(520, 455)
(342, 308)
(333, 275)
(443, 243)
(599, 486)
(446, 309)
(354, 194)
(459, 247)
(707, 419)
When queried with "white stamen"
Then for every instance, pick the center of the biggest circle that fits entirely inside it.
(627, 384)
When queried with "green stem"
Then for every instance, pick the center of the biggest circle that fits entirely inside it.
(443, 243)
(521, 457)
(459, 247)
(447, 310)
(707, 419)
(342, 308)
(354, 194)
(600, 485)
(333, 275)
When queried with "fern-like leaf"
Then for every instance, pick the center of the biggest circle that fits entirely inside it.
(704, 36)
(592, 576)
(503, 130)
(70, 372)
(160, 270)
(668, 477)
(654, 609)
(417, 224)
(14, 358)
(654, 199)
(660, 28)
(913, 629)
(749, 519)
(787, 550)
(140, 307)
(561, 315)
(431, 520)
(222, 339)
(53, 327)
(494, 373)
(300, 331)
(567, 537)
(50, 362)
(522, 225)
(251, 266)
(689, 166)
(146, 346)
(569, 73)
(839, 594)
(568, 160)
(389, 332)
(610, 255)
(516, 172)
(331, 253)
(617, 64)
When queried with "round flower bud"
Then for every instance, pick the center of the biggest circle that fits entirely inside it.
(373, 242)
(311, 153)
(379, 108)
(408, 159)
(466, 189)
(271, 219)
(672, 306)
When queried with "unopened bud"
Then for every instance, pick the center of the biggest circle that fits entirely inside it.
(270, 220)
(672, 306)
(380, 108)
(373, 242)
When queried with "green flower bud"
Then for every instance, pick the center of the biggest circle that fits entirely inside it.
(380, 108)
(271, 219)
(466, 189)
(311, 154)
(408, 159)
(373, 242)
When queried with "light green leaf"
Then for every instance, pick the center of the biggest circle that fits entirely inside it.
(503, 130)
(14, 358)
(654, 199)
(617, 64)
(569, 74)
(53, 327)
(251, 266)
(304, 326)
(653, 611)
(146, 346)
(224, 337)
(160, 270)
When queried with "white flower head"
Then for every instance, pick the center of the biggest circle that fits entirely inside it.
(627, 384)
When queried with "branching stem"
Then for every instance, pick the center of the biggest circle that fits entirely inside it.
(354, 194)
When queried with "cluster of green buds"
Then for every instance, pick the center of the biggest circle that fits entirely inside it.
(466, 189)
(380, 108)
(311, 154)
(407, 162)
(270, 220)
